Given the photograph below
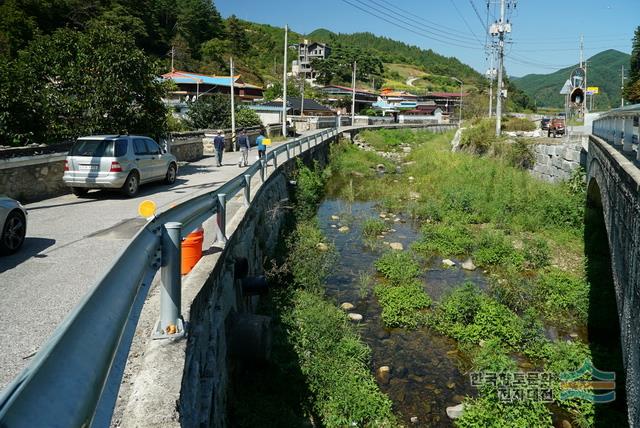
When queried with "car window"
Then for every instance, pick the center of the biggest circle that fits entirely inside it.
(92, 148)
(120, 148)
(139, 147)
(152, 147)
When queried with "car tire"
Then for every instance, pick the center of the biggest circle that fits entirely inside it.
(131, 185)
(170, 177)
(13, 233)
(79, 191)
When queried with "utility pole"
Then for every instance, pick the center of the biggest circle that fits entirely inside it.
(353, 95)
(233, 107)
(622, 87)
(302, 97)
(173, 53)
(491, 83)
(501, 28)
(284, 83)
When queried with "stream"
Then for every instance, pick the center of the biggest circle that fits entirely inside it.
(424, 366)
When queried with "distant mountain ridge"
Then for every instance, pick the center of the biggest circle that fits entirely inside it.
(603, 70)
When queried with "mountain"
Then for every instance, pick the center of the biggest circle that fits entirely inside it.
(603, 71)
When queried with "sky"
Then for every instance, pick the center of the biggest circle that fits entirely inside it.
(545, 34)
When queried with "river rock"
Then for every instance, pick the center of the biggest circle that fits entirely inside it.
(454, 412)
(343, 229)
(384, 373)
(396, 246)
(383, 215)
(566, 424)
(411, 178)
(414, 419)
(573, 335)
(448, 262)
(355, 317)
(321, 246)
(451, 385)
(380, 167)
(333, 226)
(414, 195)
(335, 217)
(346, 306)
(468, 265)
(406, 149)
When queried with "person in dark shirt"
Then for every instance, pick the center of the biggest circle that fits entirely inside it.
(243, 143)
(218, 144)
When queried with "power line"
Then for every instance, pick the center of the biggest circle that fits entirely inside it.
(412, 30)
(465, 22)
(437, 30)
(486, 27)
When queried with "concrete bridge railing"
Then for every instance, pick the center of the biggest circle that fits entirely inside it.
(613, 185)
(74, 379)
(620, 128)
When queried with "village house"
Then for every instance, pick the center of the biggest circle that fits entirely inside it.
(307, 52)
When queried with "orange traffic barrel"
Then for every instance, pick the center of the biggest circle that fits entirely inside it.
(191, 250)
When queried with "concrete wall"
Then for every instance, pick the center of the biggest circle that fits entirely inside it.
(618, 182)
(556, 162)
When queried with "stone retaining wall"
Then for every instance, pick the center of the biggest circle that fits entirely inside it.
(556, 162)
(33, 178)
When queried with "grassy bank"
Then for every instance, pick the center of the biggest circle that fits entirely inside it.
(526, 234)
(319, 374)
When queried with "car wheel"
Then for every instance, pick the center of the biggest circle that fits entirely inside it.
(131, 185)
(13, 233)
(170, 178)
(79, 191)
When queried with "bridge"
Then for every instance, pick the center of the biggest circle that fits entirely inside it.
(75, 378)
(613, 182)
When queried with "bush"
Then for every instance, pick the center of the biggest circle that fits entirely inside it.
(398, 267)
(520, 154)
(309, 189)
(562, 297)
(480, 137)
(309, 266)
(494, 249)
(401, 304)
(246, 117)
(489, 412)
(444, 239)
(536, 253)
(372, 227)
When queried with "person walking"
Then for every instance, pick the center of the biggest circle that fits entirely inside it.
(218, 144)
(262, 148)
(243, 143)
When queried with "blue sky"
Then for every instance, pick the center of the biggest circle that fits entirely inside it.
(545, 34)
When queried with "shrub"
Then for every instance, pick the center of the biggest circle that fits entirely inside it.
(562, 297)
(372, 227)
(536, 253)
(309, 190)
(520, 154)
(398, 267)
(444, 239)
(309, 266)
(401, 304)
(492, 357)
(495, 249)
(246, 117)
(488, 411)
(480, 137)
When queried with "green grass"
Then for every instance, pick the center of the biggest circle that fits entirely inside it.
(373, 227)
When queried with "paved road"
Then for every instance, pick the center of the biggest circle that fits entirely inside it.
(70, 243)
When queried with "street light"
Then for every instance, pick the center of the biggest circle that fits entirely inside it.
(459, 81)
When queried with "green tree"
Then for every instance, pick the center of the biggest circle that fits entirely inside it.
(210, 111)
(275, 90)
(80, 83)
(246, 117)
(237, 36)
(198, 21)
(338, 67)
(632, 88)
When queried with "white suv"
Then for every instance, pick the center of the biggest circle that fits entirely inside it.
(117, 162)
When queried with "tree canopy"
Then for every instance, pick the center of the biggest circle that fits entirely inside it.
(632, 88)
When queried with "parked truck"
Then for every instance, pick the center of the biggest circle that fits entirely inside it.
(556, 127)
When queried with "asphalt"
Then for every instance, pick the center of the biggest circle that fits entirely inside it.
(70, 243)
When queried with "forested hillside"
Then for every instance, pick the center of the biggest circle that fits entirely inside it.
(603, 71)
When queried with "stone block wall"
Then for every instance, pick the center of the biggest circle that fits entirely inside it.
(556, 162)
(33, 178)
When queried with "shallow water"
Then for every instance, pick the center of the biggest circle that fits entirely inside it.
(425, 378)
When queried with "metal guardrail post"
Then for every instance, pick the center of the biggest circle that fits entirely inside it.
(263, 166)
(275, 160)
(170, 323)
(247, 190)
(221, 219)
(288, 152)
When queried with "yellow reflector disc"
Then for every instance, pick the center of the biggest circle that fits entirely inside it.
(146, 208)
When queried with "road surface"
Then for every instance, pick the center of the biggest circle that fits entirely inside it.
(70, 242)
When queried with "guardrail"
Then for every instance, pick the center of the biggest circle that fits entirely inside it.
(618, 127)
(73, 380)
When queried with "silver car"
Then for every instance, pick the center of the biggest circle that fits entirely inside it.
(117, 162)
(13, 225)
